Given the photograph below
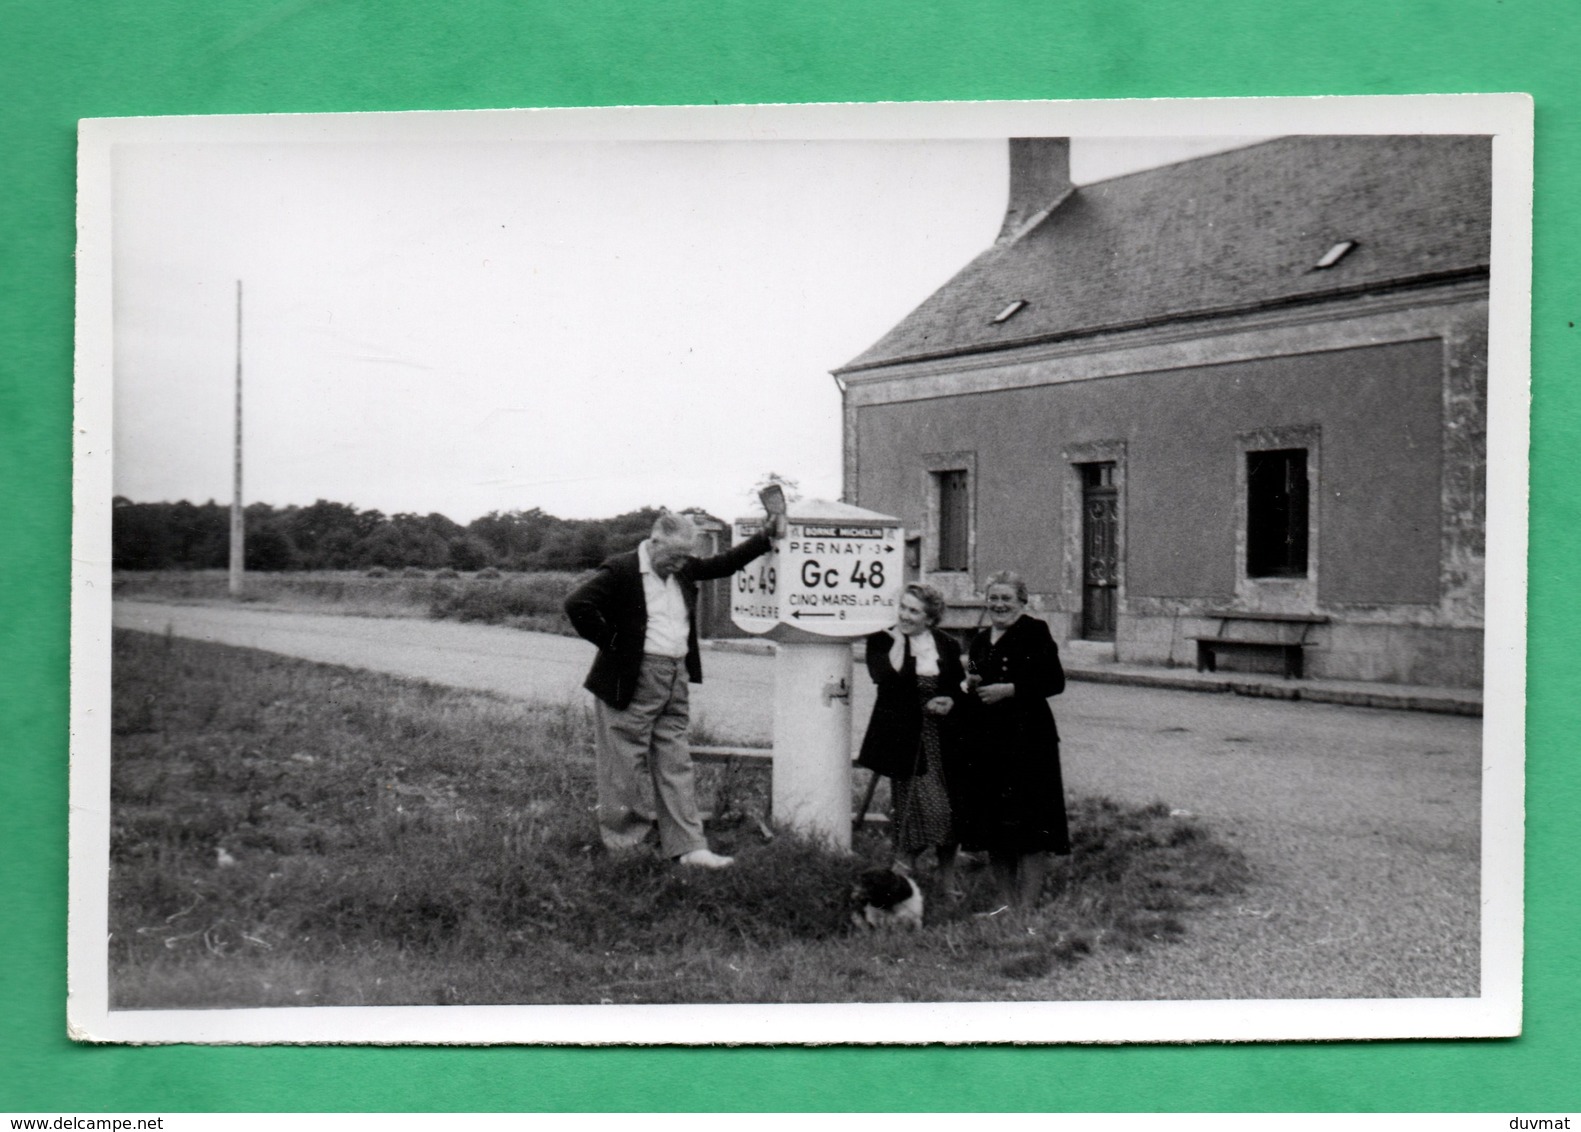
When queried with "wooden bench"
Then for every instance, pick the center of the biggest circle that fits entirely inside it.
(728, 755)
(962, 618)
(1284, 634)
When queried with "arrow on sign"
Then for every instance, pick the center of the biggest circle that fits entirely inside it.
(799, 614)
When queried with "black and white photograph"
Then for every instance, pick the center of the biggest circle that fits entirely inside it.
(969, 572)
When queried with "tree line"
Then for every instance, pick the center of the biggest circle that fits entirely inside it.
(339, 536)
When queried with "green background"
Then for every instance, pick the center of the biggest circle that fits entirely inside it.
(60, 62)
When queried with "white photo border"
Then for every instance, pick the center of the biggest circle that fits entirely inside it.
(1495, 1012)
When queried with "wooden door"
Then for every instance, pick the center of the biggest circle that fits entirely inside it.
(1100, 551)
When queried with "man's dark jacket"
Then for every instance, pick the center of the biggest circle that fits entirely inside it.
(611, 611)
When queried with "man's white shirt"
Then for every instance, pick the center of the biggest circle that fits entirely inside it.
(667, 621)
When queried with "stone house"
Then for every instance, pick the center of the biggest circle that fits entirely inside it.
(1228, 412)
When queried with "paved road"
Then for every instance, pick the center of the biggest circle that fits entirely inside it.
(1362, 825)
(736, 701)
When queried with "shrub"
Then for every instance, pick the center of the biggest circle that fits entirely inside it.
(269, 546)
(533, 601)
(469, 552)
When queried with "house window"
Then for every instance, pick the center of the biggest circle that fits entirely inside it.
(1276, 513)
(1338, 252)
(954, 517)
(1097, 475)
(1009, 312)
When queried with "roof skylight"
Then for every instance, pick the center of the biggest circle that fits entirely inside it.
(1338, 252)
(1009, 312)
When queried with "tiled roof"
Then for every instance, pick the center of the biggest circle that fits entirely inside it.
(1234, 231)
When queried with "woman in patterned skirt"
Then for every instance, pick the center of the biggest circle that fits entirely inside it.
(909, 738)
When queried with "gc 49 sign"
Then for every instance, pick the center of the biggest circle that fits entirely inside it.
(754, 591)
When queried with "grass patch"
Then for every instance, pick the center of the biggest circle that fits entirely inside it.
(522, 601)
(287, 833)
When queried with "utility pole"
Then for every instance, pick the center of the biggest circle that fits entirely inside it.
(238, 517)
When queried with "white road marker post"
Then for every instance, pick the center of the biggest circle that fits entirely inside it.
(835, 577)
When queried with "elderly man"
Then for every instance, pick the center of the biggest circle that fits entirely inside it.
(640, 609)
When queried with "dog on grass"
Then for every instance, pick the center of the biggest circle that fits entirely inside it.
(884, 899)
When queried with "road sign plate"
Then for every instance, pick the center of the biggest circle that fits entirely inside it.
(754, 591)
(839, 576)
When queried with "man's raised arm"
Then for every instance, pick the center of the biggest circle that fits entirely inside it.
(723, 565)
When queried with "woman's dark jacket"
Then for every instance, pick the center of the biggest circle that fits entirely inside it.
(1011, 792)
(892, 745)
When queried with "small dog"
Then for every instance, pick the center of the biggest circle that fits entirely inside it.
(884, 899)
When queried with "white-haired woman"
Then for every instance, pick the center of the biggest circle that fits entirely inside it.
(909, 738)
(1010, 795)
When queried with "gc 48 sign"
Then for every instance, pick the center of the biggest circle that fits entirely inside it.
(833, 575)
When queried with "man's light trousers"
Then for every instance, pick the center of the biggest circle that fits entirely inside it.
(645, 773)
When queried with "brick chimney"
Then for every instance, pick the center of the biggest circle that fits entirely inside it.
(1039, 181)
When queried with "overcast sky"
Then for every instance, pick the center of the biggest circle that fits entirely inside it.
(582, 327)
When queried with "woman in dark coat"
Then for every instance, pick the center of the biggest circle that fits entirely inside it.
(1010, 794)
(919, 675)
